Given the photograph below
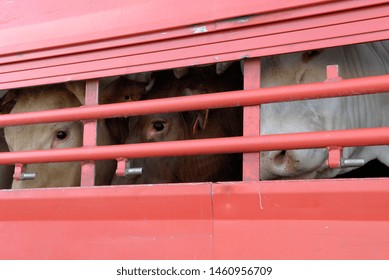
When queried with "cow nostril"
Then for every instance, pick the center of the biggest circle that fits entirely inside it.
(280, 157)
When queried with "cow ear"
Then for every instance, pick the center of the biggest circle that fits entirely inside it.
(111, 90)
(78, 89)
(200, 116)
(8, 101)
(200, 121)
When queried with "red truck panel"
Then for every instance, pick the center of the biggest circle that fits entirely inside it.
(320, 219)
(309, 219)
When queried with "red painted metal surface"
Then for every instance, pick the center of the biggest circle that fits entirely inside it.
(320, 219)
(112, 19)
(249, 220)
(18, 171)
(246, 144)
(309, 219)
(251, 121)
(137, 222)
(121, 167)
(366, 85)
(90, 133)
(335, 155)
(270, 29)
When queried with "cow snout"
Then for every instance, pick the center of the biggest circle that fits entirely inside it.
(291, 164)
(282, 158)
(278, 164)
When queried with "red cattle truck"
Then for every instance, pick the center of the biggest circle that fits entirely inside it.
(47, 42)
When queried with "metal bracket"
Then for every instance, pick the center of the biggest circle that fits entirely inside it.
(335, 154)
(20, 174)
(335, 159)
(124, 168)
(333, 73)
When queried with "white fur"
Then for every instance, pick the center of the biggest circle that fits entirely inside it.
(323, 114)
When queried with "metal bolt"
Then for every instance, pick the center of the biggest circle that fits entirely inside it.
(134, 171)
(358, 162)
(124, 168)
(27, 176)
(336, 159)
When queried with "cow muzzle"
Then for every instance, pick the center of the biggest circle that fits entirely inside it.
(291, 164)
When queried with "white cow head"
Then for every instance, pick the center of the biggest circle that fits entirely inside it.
(321, 114)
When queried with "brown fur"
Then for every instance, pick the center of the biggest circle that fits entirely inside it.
(188, 125)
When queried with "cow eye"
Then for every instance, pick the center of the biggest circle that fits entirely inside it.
(61, 134)
(159, 126)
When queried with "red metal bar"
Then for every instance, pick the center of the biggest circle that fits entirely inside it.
(335, 155)
(245, 144)
(251, 121)
(90, 133)
(347, 87)
(18, 171)
(333, 74)
(121, 167)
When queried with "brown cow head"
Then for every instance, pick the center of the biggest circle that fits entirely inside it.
(182, 126)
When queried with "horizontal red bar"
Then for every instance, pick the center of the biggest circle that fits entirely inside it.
(245, 144)
(347, 87)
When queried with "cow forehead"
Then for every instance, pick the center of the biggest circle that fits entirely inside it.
(38, 99)
(30, 100)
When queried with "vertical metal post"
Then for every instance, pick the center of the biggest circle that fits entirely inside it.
(90, 133)
(251, 119)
